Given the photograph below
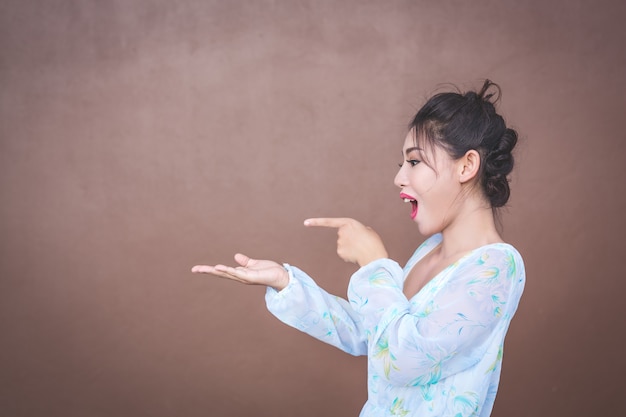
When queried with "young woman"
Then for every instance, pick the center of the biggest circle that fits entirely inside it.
(434, 330)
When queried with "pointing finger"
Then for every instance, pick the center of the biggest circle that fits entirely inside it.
(335, 222)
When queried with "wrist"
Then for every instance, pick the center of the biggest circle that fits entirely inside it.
(374, 257)
(282, 280)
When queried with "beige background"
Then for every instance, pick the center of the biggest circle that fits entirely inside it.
(139, 138)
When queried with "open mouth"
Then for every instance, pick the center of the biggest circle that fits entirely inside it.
(408, 199)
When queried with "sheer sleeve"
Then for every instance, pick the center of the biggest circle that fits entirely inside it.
(308, 308)
(448, 326)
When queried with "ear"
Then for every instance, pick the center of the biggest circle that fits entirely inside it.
(469, 164)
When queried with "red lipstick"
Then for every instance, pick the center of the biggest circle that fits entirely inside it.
(409, 199)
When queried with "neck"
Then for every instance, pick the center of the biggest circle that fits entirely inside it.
(473, 227)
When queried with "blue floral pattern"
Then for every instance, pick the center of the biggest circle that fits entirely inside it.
(437, 354)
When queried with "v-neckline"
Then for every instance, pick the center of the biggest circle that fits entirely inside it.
(445, 269)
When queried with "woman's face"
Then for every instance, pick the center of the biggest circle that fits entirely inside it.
(429, 182)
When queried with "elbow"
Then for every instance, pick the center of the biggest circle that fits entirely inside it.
(399, 368)
(397, 375)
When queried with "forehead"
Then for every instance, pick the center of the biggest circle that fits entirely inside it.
(427, 152)
(411, 142)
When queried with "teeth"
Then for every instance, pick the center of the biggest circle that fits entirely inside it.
(407, 200)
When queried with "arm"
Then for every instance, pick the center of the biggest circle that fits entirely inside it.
(308, 308)
(298, 301)
(450, 331)
(294, 298)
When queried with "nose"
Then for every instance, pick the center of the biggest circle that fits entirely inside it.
(400, 179)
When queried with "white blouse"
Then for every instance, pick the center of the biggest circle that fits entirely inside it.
(437, 354)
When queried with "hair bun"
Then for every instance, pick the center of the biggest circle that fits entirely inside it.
(498, 164)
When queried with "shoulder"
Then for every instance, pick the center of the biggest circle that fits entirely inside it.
(502, 254)
(494, 261)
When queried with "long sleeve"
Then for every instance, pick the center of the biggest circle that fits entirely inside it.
(308, 308)
(447, 327)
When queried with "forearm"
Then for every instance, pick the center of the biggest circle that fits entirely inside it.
(305, 306)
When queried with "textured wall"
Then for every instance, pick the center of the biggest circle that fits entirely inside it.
(138, 138)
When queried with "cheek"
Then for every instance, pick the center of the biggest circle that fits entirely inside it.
(424, 180)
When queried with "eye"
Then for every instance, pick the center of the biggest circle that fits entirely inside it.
(413, 162)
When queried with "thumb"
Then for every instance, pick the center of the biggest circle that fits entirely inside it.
(242, 259)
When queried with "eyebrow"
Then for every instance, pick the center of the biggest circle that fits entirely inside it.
(414, 148)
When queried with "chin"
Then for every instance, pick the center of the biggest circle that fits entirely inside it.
(424, 231)
(427, 230)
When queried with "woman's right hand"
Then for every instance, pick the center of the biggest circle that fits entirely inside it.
(355, 242)
(251, 271)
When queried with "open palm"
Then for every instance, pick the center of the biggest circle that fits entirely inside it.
(250, 271)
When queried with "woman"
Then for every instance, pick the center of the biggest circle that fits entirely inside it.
(433, 331)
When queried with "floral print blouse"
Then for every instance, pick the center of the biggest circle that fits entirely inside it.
(437, 354)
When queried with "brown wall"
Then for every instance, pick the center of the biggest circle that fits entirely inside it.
(139, 138)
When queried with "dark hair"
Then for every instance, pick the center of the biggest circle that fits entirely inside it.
(459, 122)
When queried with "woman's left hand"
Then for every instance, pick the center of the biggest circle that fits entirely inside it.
(250, 271)
(355, 242)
